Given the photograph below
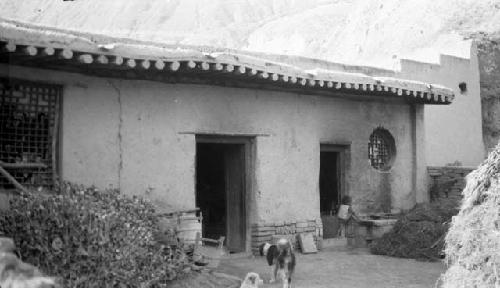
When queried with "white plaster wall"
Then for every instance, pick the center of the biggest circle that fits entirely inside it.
(452, 132)
(138, 135)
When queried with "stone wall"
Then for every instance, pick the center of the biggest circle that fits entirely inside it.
(272, 231)
(446, 183)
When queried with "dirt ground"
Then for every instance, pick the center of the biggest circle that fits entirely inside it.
(339, 267)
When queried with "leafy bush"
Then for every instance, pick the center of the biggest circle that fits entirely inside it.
(91, 238)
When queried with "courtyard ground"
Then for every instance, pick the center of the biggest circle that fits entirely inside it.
(341, 267)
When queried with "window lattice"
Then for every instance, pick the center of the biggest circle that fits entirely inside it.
(28, 115)
(380, 150)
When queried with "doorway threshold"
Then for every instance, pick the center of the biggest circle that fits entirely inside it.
(334, 242)
(238, 255)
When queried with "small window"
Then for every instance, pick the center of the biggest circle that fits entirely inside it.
(28, 132)
(381, 149)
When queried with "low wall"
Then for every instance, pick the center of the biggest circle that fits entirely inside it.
(271, 232)
(446, 183)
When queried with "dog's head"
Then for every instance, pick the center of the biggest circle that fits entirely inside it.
(284, 246)
(252, 280)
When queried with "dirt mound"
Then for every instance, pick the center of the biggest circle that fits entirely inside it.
(472, 243)
(417, 234)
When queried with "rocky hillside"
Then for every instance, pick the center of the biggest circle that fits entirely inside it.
(375, 32)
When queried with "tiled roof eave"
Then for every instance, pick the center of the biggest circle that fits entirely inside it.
(47, 47)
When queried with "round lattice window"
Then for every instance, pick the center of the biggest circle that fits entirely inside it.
(381, 149)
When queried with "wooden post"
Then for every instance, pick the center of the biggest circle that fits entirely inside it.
(55, 132)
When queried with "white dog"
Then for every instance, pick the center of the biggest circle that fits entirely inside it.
(252, 280)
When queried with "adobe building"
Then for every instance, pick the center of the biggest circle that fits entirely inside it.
(253, 143)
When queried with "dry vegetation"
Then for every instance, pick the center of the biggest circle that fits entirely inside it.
(473, 241)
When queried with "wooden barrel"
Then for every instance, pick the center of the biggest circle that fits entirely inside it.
(189, 226)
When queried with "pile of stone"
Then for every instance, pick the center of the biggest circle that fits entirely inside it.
(473, 241)
(271, 232)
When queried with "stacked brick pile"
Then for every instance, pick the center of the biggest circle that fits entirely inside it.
(271, 232)
(446, 183)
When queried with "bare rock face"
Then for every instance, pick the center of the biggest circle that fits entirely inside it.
(358, 32)
(489, 73)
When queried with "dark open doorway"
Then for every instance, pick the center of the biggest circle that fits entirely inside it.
(331, 187)
(221, 190)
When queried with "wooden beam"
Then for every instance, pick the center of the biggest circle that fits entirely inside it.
(130, 63)
(117, 60)
(228, 68)
(174, 66)
(159, 65)
(252, 72)
(217, 66)
(102, 59)
(240, 70)
(65, 54)
(12, 180)
(144, 64)
(48, 51)
(30, 50)
(205, 66)
(191, 64)
(85, 59)
(22, 165)
(263, 75)
(9, 47)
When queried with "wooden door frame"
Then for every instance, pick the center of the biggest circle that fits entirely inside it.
(248, 143)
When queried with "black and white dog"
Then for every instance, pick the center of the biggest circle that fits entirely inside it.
(282, 258)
